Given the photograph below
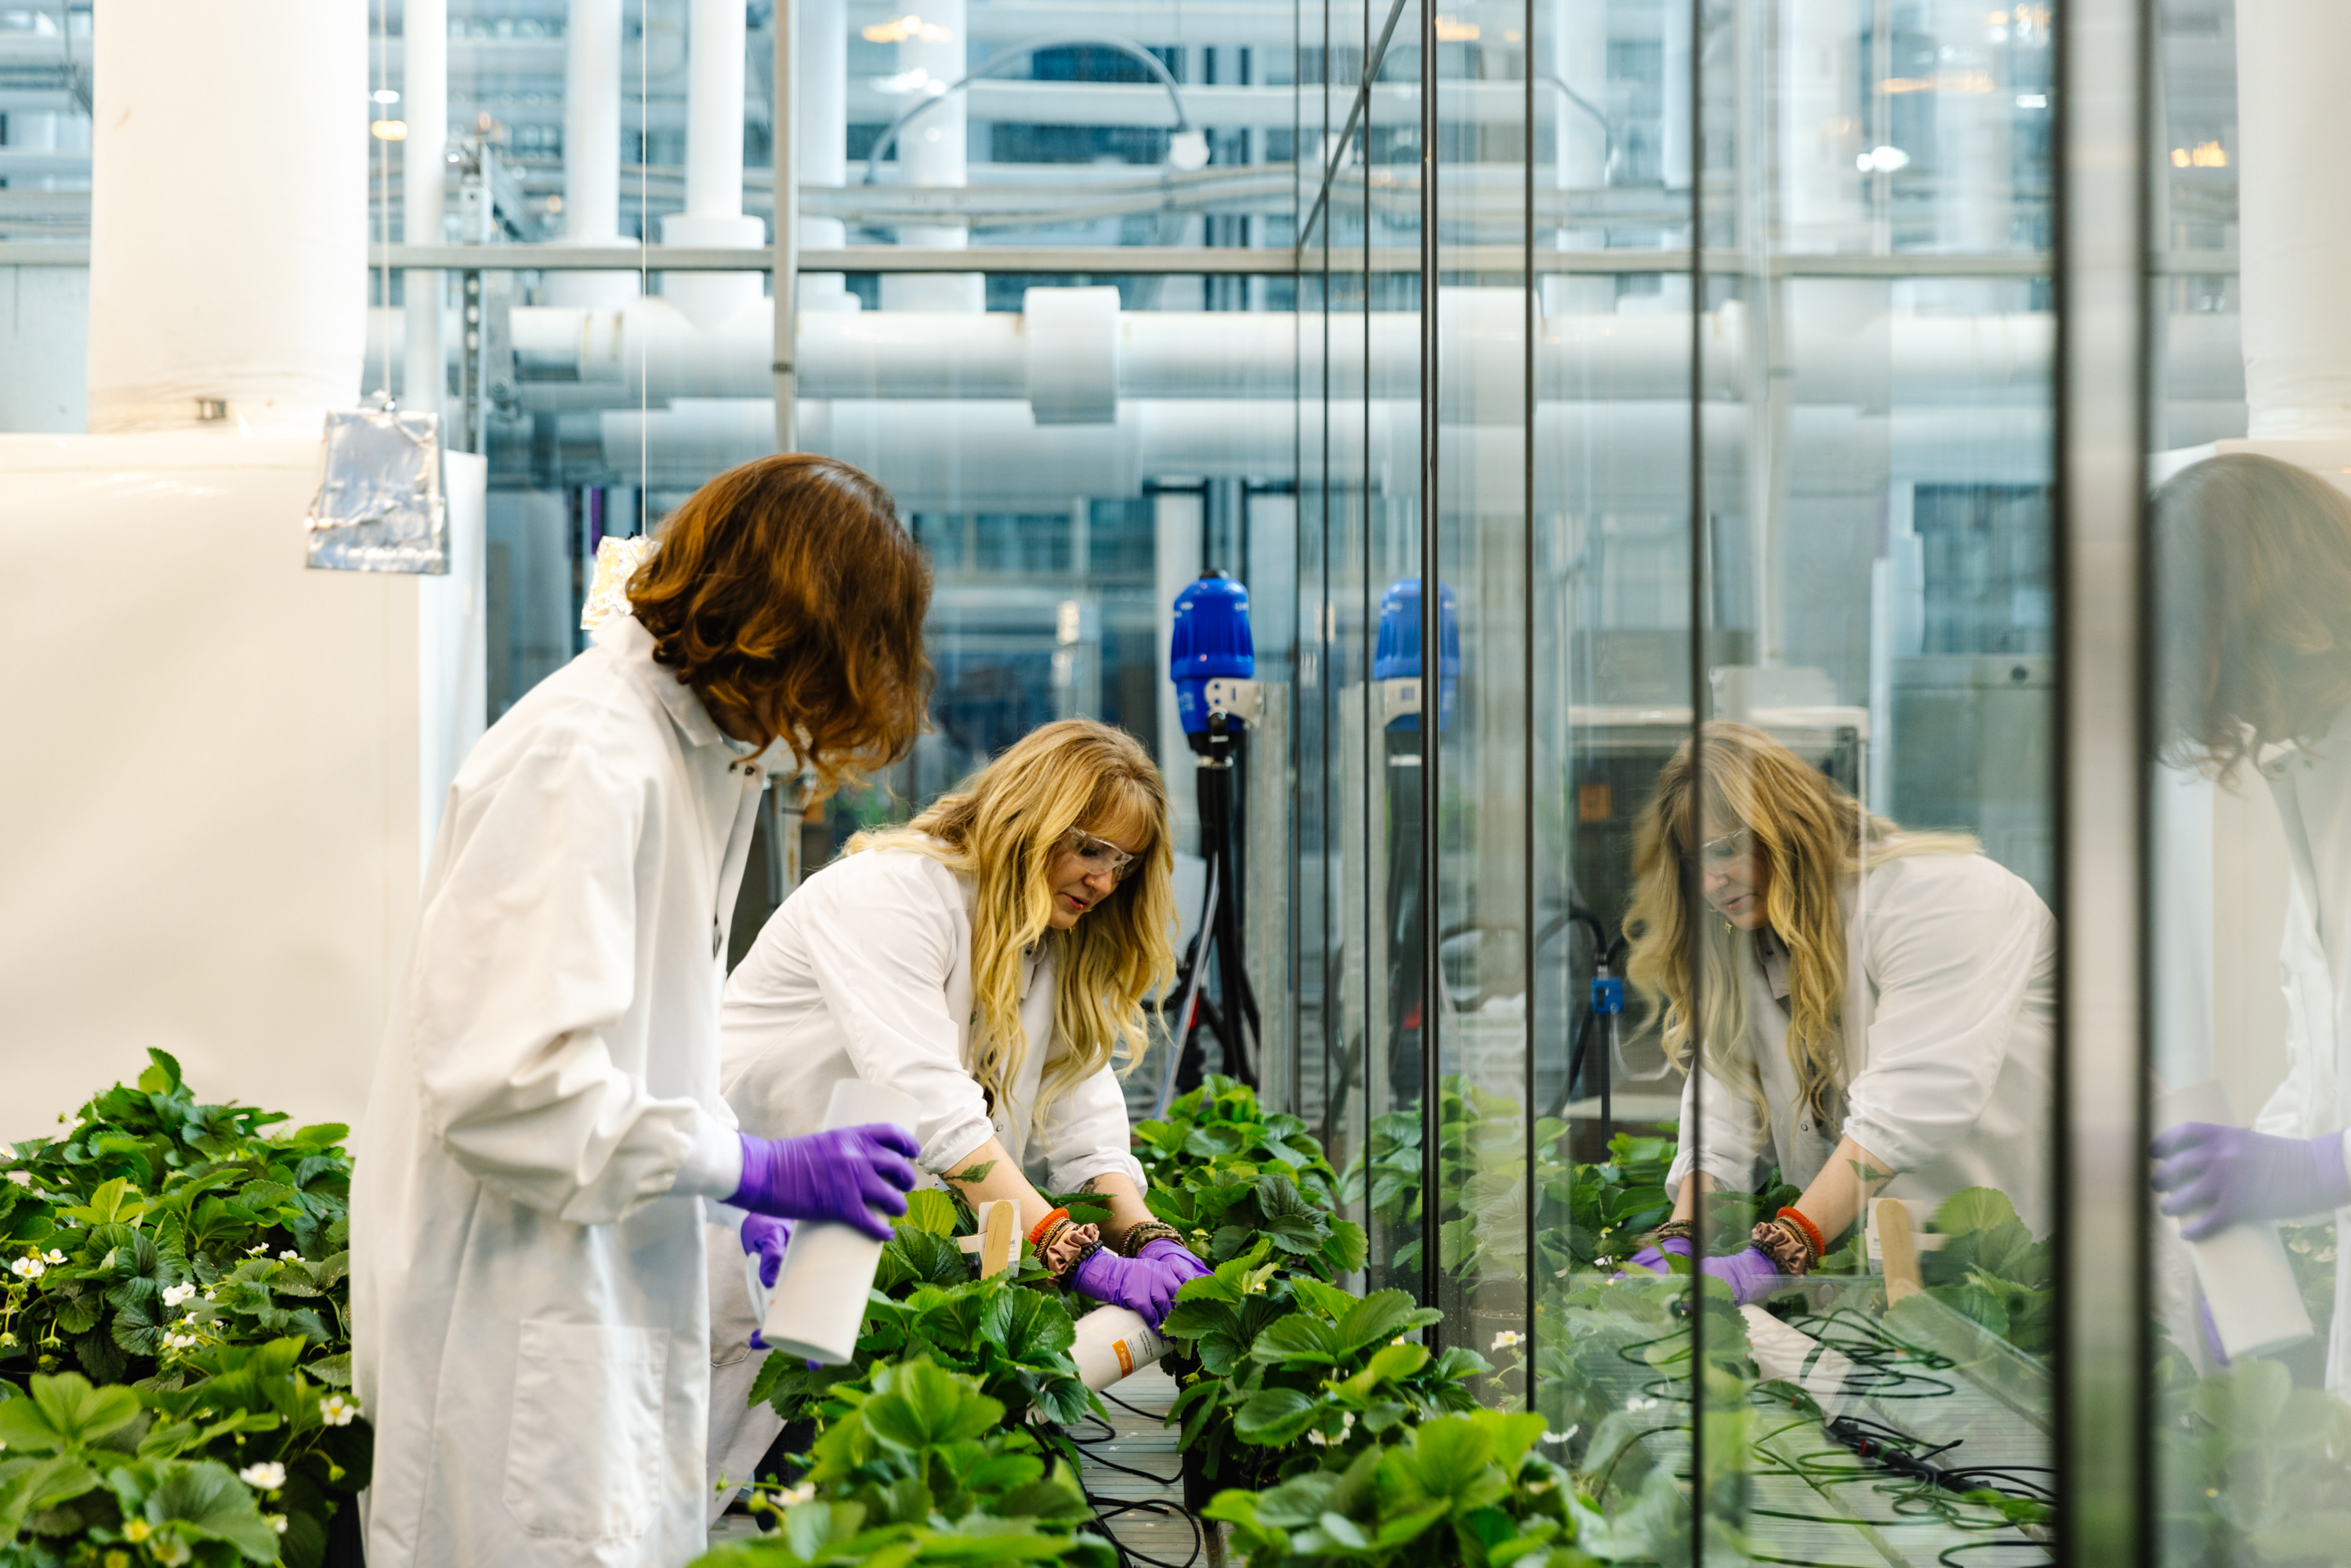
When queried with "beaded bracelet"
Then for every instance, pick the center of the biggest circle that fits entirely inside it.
(1811, 1232)
(1672, 1230)
(1036, 1234)
(1141, 1236)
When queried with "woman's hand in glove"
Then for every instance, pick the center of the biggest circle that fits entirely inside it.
(1751, 1275)
(764, 1237)
(845, 1176)
(2218, 1175)
(1145, 1284)
(1652, 1260)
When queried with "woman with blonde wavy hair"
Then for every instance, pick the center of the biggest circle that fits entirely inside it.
(992, 958)
(1869, 1007)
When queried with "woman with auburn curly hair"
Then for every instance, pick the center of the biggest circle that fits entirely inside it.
(2254, 651)
(989, 959)
(1872, 1009)
(546, 1128)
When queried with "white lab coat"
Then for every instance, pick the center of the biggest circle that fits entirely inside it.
(2312, 787)
(865, 972)
(1948, 1034)
(528, 1309)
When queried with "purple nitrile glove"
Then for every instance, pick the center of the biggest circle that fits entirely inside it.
(1653, 1259)
(1145, 1285)
(2218, 1175)
(844, 1176)
(764, 1237)
(1751, 1275)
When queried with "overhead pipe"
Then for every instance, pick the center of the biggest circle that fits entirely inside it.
(933, 51)
(592, 150)
(424, 173)
(648, 350)
(713, 168)
(218, 301)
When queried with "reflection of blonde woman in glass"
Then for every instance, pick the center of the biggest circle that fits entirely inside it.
(986, 958)
(1874, 1008)
(2256, 568)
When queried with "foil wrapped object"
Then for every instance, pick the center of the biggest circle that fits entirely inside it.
(379, 507)
(617, 560)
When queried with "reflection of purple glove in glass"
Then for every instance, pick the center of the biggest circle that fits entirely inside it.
(1653, 1259)
(1145, 1285)
(2218, 1175)
(843, 1176)
(764, 1237)
(1751, 1275)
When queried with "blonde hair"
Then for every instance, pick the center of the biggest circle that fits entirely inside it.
(1003, 829)
(1815, 838)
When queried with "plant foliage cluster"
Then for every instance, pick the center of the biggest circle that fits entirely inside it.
(174, 1342)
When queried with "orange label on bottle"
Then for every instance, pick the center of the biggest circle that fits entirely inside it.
(1125, 1357)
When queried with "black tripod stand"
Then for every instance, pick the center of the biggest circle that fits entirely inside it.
(1232, 1015)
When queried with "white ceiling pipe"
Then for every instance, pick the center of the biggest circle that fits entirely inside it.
(425, 172)
(1590, 455)
(934, 149)
(2295, 213)
(218, 300)
(591, 149)
(821, 63)
(713, 167)
(651, 350)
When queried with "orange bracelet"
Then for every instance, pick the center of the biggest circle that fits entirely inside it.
(1811, 1232)
(1036, 1236)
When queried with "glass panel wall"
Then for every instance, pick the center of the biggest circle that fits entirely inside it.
(1729, 335)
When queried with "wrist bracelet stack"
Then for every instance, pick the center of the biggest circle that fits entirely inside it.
(1672, 1230)
(1792, 1242)
(1061, 1243)
(1139, 1237)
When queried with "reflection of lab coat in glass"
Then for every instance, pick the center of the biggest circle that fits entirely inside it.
(865, 972)
(2312, 787)
(527, 1279)
(1949, 1030)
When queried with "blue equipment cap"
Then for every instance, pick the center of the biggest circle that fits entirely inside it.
(1211, 642)
(1396, 655)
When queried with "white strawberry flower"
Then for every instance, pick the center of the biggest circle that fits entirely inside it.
(336, 1411)
(277, 1521)
(29, 1267)
(1504, 1339)
(54, 1256)
(269, 1475)
(174, 1294)
(289, 1256)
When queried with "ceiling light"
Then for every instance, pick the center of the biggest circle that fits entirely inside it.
(1187, 150)
(385, 95)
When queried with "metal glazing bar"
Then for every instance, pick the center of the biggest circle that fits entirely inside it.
(1694, 1126)
(2104, 1424)
(1527, 783)
(1372, 63)
(1432, 697)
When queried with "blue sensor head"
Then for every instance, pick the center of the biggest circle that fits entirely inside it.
(1211, 642)
(1396, 655)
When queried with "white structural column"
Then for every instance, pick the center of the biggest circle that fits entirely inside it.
(592, 150)
(424, 169)
(714, 166)
(1821, 206)
(2296, 224)
(932, 152)
(820, 118)
(218, 299)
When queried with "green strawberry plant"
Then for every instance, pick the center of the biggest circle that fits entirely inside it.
(190, 1259)
(918, 1464)
(1466, 1490)
(1225, 1174)
(1011, 1332)
(1276, 1365)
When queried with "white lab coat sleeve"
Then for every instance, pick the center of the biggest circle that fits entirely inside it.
(2299, 1107)
(1733, 1132)
(1951, 948)
(1085, 1133)
(526, 953)
(882, 963)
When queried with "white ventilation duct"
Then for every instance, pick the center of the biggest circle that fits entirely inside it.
(425, 172)
(714, 169)
(222, 297)
(2294, 235)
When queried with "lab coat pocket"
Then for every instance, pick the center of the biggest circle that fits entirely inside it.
(587, 1454)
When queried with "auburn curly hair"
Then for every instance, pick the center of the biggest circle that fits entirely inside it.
(789, 596)
(2253, 572)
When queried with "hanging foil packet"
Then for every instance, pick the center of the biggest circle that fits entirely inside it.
(379, 507)
(617, 560)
